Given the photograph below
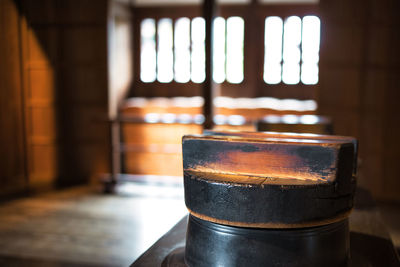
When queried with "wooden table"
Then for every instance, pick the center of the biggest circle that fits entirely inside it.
(370, 242)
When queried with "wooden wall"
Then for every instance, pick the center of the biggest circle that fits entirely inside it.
(54, 95)
(12, 158)
(64, 47)
(359, 84)
(54, 98)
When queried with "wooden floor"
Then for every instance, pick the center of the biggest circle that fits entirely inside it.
(391, 217)
(82, 227)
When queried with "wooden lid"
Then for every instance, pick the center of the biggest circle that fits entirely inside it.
(269, 180)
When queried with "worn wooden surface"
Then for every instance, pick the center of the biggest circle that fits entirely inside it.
(83, 227)
(269, 180)
(271, 157)
(290, 135)
(370, 243)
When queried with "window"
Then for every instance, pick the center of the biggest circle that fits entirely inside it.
(175, 50)
(259, 49)
(291, 50)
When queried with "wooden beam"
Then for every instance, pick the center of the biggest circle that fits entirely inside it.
(209, 9)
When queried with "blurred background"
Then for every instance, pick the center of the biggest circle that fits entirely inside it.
(102, 91)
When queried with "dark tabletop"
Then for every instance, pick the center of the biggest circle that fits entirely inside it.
(370, 243)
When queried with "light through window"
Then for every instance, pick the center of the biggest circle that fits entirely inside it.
(291, 50)
(182, 50)
(148, 51)
(198, 35)
(165, 55)
(219, 50)
(178, 51)
(310, 49)
(234, 51)
(273, 50)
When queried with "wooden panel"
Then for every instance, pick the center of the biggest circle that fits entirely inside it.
(341, 44)
(42, 45)
(84, 45)
(141, 111)
(41, 84)
(43, 122)
(87, 124)
(370, 174)
(81, 12)
(379, 43)
(343, 11)
(12, 163)
(372, 133)
(373, 57)
(71, 11)
(43, 164)
(154, 163)
(65, 80)
(339, 87)
(82, 85)
(384, 11)
(374, 92)
(147, 133)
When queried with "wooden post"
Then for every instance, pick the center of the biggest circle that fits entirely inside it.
(208, 86)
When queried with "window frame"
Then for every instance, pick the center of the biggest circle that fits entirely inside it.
(253, 84)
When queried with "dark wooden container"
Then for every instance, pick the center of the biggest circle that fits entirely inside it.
(209, 244)
(268, 199)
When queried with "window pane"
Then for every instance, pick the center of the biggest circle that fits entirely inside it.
(291, 73)
(309, 73)
(273, 50)
(234, 53)
(164, 53)
(272, 73)
(292, 39)
(219, 50)
(148, 50)
(311, 37)
(291, 50)
(198, 71)
(310, 49)
(182, 50)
